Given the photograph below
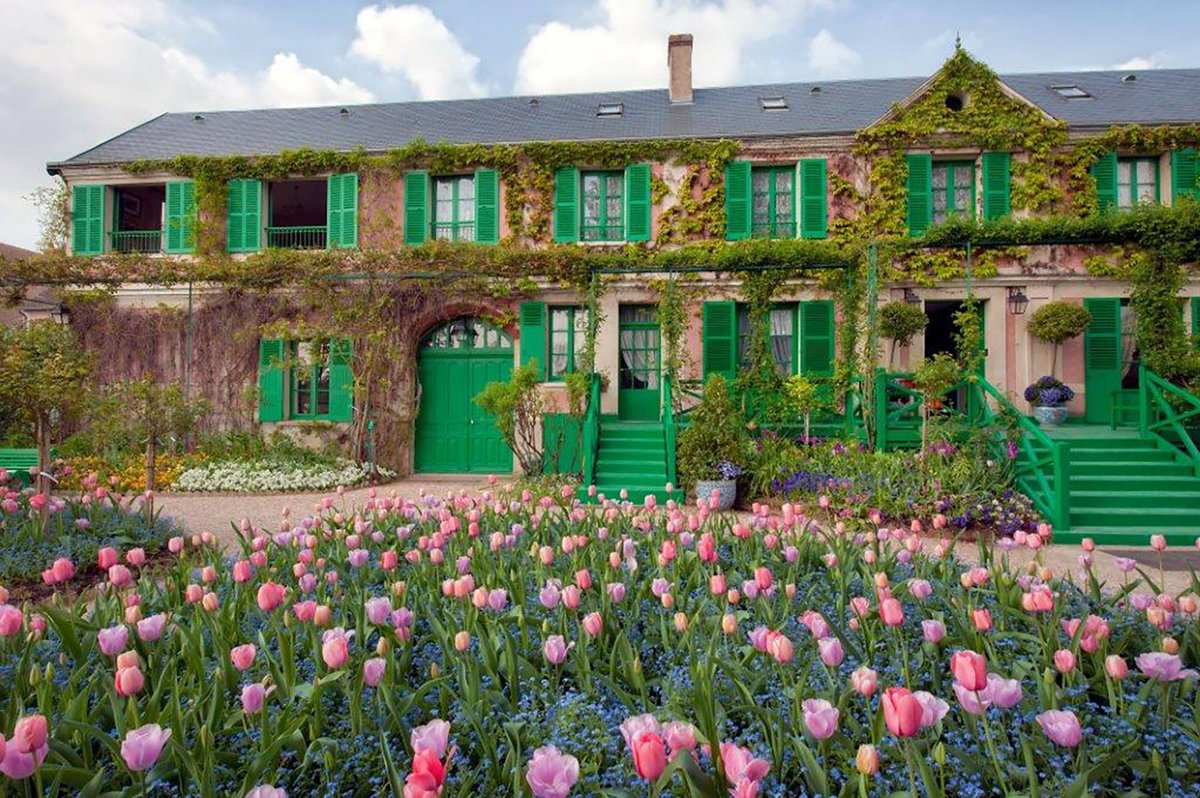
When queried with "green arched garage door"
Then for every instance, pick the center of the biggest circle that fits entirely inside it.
(454, 363)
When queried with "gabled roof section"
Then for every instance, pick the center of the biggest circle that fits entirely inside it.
(960, 67)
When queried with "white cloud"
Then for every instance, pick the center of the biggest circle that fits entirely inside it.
(1142, 62)
(78, 71)
(830, 58)
(626, 47)
(412, 41)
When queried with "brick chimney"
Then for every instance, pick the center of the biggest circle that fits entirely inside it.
(679, 62)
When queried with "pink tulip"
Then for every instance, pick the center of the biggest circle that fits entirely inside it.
(427, 776)
(253, 697)
(270, 596)
(119, 576)
(243, 656)
(143, 746)
(379, 610)
(680, 737)
(136, 557)
(934, 631)
(113, 640)
(150, 629)
(1158, 542)
(243, 571)
(30, 733)
(1061, 726)
(982, 619)
(373, 670)
(1116, 667)
(891, 611)
(593, 624)
(969, 669)
(741, 765)
(266, 791)
(1163, 667)
(107, 557)
(901, 712)
(551, 773)
(933, 709)
(63, 569)
(865, 681)
(831, 651)
(1064, 660)
(434, 736)
(25, 752)
(555, 649)
(649, 755)
(129, 681)
(497, 599)
(920, 589)
(335, 647)
(820, 717)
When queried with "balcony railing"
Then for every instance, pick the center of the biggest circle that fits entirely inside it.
(310, 237)
(127, 241)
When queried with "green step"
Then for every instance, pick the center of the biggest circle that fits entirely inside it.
(1110, 483)
(1099, 468)
(1119, 455)
(1146, 499)
(1138, 518)
(1120, 536)
(609, 445)
(633, 467)
(1082, 444)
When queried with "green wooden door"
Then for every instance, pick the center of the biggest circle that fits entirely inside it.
(453, 434)
(638, 386)
(1102, 358)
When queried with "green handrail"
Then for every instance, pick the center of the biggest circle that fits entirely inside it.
(142, 241)
(1041, 461)
(1163, 409)
(669, 427)
(591, 431)
(297, 237)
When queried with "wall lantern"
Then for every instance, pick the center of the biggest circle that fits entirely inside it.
(1018, 303)
(910, 296)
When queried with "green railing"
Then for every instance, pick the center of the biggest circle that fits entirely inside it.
(1171, 415)
(591, 431)
(143, 241)
(897, 411)
(668, 414)
(305, 237)
(1040, 462)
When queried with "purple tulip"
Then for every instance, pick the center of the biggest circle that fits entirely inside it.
(831, 651)
(373, 670)
(378, 610)
(1163, 667)
(143, 746)
(820, 717)
(150, 629)
(1061, 726)
(113, 640)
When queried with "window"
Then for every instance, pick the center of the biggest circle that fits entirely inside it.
(454, 208)
(773, 208)
(1071, 92)
(603, 206)
(309, 379)
(775, 103)
(1137, 181)
(610, 109)
(781, 336)
(953, 189)
(568, 336)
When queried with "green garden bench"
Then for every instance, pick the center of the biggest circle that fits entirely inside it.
(18, 463)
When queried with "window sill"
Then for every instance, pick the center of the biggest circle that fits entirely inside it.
(307, 422)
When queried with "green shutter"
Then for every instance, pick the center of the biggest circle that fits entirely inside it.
(270, 380)
(919, 192)
(816, 337)
(1102, 357)
(181, 217)
(87, 220)
(416, 206)
(341, 380)
(737, 200)
(719, 331)
(341, 211)
(566, 204)
(243, 228)
(1196, 321)
(487, 206)
(814, 202)
(533, 335)
(1183, 175)
(997, 185)
(637, 202)
(1105, 173)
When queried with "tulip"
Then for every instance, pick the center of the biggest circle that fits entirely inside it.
(242, 571)
(891, 611)
(933, 709)
(831, 651)
(593, 624)
(129, 681)
(551, 773)
(427, 776)
(1004, 693)
(820, 717)
(112, 641)
(1061, 726)
(107, 557)
(555, 649)
(136, 557)
(649, 755)
(434, 736)
(25, 752)
(143, 746)
(679, 737)
(865, 681)
(729, 623)
(982, 619)
(919, 589)
(378, 610)
(373, 670)
(1158, 542)
(267, 791)
(901, 712)
(30, 733)
(462, 641)
(1163, 667)
(119, 576)
(335, 648)
(867, 760)
(1116, 667)
(243, 656)
(933, 631)
(63, 569)
(150, 629)
(1064, 660)
(270, 596)
(741, 765)
(253, 696)
(969, 669)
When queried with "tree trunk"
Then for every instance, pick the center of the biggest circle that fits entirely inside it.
(43, 445)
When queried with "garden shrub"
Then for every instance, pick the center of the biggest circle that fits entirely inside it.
(900, 322)
(716, 432)
(517, 407)
(1058, 322)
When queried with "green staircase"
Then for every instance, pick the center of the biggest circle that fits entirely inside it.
(1125, 487)
(632, 455)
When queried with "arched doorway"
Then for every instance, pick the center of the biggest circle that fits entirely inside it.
(455, 361)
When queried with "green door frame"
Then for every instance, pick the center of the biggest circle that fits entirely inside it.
(639, 383)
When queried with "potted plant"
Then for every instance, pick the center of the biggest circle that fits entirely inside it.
(1058, 322)
(713, 445)
(1049, 397)
(900, 322)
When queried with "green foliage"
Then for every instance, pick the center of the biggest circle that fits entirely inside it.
(806, 397)
(1057, 322)
(1156, 280)
(716, 432)
(934, 378)
(900, 322)
(517, 406)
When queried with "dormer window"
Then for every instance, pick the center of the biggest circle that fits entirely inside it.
(775, 103)
(1071, 92)
(610, 109)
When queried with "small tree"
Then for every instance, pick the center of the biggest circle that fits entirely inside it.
(717, 432)
(804, 396)
(518, 406)
(42, 375)
(1057, 322)
(155, 414)
(901, 321)
(934, 377)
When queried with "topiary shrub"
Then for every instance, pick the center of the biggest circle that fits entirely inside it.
(1057, 322)
(716, 432)
(901, 321)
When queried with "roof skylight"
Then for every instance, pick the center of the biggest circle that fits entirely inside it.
(1071, 92)
(610, 109)
(775, 103)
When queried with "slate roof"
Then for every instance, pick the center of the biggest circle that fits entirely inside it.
(1153, 97)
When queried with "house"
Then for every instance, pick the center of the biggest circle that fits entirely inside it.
(517, 191)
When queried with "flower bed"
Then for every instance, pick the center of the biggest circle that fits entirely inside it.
(487, 646)
(269, 475)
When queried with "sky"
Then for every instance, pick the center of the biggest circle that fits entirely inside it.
(74, 73)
